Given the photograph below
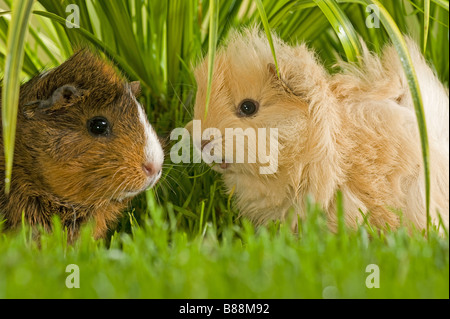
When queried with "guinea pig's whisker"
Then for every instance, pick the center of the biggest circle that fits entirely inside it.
(86, 201)
(121, 188)
(107, 169)
(98, 190)
(164, 179)
(120, 169)
(118, 188)
(181, 171)
(166, 183)
(166, 167)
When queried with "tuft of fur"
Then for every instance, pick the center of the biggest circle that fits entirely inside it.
(59, 167)
(354, 131)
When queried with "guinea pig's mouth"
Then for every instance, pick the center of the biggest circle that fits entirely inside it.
(220, 165)
(126, 194)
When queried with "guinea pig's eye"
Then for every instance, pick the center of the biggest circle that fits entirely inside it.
(98, 126)
(248, 108)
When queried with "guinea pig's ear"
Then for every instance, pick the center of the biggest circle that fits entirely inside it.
(61, 97)
(279, 79)
(135, 87)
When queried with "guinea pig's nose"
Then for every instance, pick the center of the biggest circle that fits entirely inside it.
(204, 143)
(151, 169)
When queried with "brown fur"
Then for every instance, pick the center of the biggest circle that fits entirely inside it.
(355, 132)
(59, 168)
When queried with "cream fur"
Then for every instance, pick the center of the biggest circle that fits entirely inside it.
(355, 131)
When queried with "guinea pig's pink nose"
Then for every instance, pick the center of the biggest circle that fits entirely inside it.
(151, 169)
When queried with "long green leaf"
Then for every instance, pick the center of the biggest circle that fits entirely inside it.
(265, 23)
(343, 28)
(292, 5)
(426, 24)
(213, 25)
(18, 27)
(442, 3)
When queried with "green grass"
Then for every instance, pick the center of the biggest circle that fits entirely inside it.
(184, 239)
(158, 260)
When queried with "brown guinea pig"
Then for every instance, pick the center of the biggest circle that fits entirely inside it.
(83, 149)
(353, 132)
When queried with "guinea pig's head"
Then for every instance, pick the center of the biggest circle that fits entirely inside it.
(86, 134)
(250, 99)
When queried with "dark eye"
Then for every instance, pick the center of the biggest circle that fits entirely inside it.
(248, 108)
(98, 126)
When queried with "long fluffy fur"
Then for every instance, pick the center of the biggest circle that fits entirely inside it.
(354, 131)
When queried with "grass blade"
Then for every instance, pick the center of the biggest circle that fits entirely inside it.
(213, 27)
(442, 3)
(426, 24)
(343, 28)
(10, 92)
(265, 23)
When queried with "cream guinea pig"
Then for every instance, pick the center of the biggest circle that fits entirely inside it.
(354, 131)
(83, 149)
